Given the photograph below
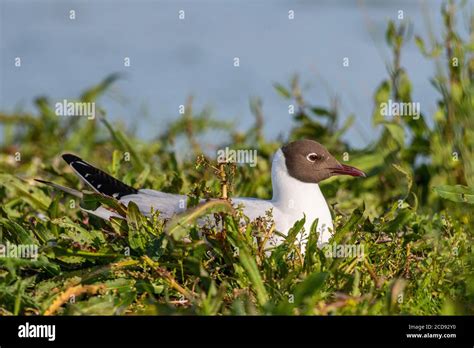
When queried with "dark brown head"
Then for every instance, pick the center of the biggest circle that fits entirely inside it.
(310, 162)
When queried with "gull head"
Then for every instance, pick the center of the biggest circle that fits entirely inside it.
(310, 162)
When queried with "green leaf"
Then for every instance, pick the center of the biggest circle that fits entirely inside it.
(355, 219)
(390, 33)
(115, 166)
(17, 233)
(305, 293)
(456, 193)
(282, 90)
(33, 195)
(323, 112)
(382, 94)
(282, 250)
(76, 256)
(421, 45)
(251, 268)
(124, 144)
(93, 93)
(397, 132)
(399, 222)
(407, 174)
(311, 246)
(178, 226)
(92, 201)
(137, 237)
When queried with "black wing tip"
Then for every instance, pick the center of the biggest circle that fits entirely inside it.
(69, 158)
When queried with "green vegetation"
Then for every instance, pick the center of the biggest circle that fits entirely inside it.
(412, 214)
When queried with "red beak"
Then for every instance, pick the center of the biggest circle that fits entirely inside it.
(347, 170)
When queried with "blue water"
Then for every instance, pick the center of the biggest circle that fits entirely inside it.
(172, 59)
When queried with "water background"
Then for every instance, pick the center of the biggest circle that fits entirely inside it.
(172, 59)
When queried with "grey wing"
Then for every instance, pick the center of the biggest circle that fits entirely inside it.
(167, 204)
(253, 207)
(170, 204)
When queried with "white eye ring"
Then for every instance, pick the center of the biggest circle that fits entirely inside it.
(312, 157)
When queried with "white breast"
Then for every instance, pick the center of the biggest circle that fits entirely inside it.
(295, 199)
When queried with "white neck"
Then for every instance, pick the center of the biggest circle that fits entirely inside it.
(290, 193)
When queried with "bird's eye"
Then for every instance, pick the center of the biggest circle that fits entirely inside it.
(313, 157)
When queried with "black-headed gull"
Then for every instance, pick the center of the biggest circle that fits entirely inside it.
(297, 168)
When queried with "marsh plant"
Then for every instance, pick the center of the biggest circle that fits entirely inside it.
(411, 216)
